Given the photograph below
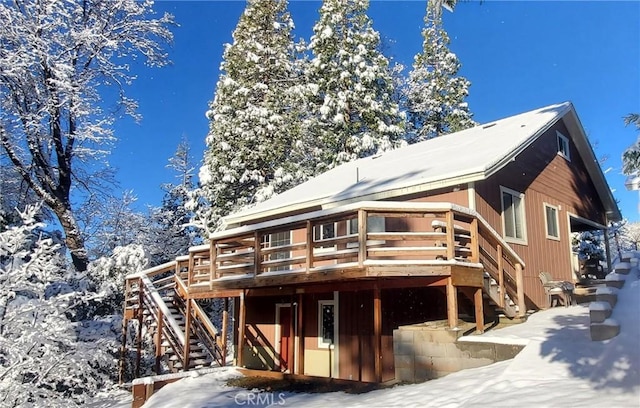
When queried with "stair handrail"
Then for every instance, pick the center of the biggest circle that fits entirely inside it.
(207, 332)
(157, 299)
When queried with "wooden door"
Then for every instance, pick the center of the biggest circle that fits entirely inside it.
(285, 337)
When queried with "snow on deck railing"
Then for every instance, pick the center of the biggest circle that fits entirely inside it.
(371, 206)
(165, 267)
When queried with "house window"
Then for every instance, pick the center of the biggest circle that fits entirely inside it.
(551, 219)
(563, 146)
(374, 224)
(513, 215)
(325, 232)
(276, 240)
(326, 323)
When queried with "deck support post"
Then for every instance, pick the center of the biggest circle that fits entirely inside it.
(452, 304)
(377, 333)
(123, 350)
(241, 329)
(522, 308)
(159, 342)
(300, 336)
(478, 303)
(291, 363)
(607, 249)
(187, 336)
(139, 334)
(225, 329)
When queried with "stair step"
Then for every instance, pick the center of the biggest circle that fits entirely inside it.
(193, 364)
(599, 311)
(605, 330)
(606, 294)
(622, 268)
(198, 357)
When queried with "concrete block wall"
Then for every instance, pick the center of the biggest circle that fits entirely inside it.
(425, 352)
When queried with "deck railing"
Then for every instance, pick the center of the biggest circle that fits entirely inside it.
(375, 235)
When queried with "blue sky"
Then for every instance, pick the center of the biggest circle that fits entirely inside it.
(518, 55)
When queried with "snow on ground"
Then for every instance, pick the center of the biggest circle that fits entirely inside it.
(560, 366)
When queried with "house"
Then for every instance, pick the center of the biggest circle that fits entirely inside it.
(321, 275)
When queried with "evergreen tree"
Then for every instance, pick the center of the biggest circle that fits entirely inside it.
(435, 94)
(170, 234)
(352, 113)
(253, 115)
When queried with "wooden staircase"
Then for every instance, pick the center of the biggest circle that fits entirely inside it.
(156, 308)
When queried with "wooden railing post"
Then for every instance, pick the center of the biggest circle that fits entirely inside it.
(520, 288)
(362, 237)
(309, 251)
(451, 240)
(213, 253)
(191, 270)
(187, 336)
(475, 241)
(257, 253)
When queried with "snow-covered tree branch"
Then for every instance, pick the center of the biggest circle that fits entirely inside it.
(57, 59)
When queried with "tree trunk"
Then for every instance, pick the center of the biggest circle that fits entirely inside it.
(73, 237)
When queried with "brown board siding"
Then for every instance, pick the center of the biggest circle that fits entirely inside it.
(544, 177)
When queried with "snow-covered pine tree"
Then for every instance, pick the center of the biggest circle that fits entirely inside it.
(170, 234)
(352, 113)
(435, 93)
(253, 116)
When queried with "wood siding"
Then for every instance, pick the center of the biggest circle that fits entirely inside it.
(544, 177)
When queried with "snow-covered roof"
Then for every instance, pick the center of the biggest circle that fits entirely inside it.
(469, 155)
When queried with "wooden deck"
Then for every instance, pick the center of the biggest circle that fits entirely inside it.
(370, 245)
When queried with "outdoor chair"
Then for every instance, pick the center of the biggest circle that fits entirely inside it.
(558, 290)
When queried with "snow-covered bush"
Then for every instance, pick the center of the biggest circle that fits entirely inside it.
(108, 275)
(45, 359)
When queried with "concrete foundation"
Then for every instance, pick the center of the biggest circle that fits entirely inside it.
(428, 351)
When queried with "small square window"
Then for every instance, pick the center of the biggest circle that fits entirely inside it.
(551, 218)
(563, 146)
